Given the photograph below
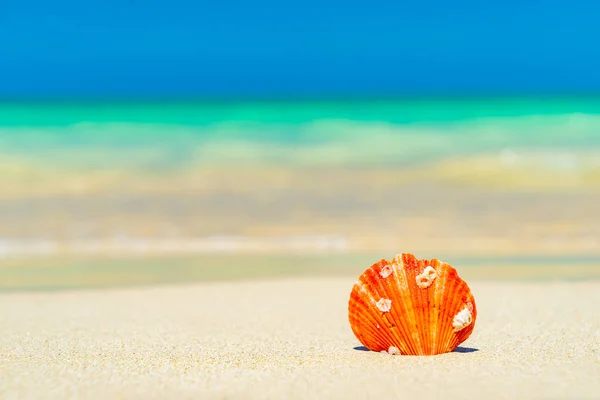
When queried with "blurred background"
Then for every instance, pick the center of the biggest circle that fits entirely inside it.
(153, 142)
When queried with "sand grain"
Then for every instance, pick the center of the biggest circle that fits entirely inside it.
(289, 339)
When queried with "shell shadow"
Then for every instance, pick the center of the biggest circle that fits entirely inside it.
(459, 349)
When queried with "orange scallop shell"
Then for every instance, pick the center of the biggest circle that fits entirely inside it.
(411, 306)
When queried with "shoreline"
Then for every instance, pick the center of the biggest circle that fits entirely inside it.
(126, 246)
(50, 274)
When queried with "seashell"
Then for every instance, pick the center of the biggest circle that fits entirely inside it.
(411, 307)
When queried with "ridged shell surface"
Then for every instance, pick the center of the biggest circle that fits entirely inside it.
(412, 307)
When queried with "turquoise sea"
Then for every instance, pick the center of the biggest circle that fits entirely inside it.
(369, 131)
(50, 206)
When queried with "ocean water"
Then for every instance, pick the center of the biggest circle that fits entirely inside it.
(362, 132)
(50, 205)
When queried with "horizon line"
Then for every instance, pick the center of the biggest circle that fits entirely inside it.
(311, 97)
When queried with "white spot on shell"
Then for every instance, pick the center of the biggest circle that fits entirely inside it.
(462, 319)
(378, 326)
(386, 271)
(384, 305)
(392, 350)
(426, 278)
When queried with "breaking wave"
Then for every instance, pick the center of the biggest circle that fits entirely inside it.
(315, 142)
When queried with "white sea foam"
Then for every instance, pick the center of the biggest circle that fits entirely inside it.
(13, 247)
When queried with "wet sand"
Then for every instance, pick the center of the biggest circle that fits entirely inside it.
(372, 211)
(60, 273)
(289, 339)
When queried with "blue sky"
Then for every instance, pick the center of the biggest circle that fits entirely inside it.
(264, 47)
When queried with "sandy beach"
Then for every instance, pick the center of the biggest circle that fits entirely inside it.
(289, 338)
